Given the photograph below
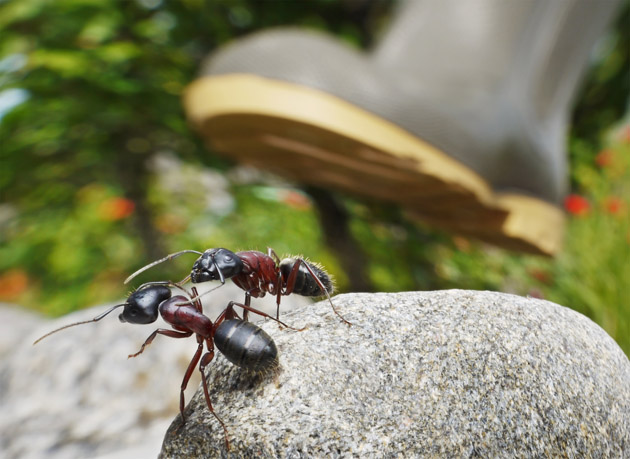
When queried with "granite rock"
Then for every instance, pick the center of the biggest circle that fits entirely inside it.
(446, 374)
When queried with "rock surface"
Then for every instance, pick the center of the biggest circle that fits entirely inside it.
(76, 394)
(446, 374)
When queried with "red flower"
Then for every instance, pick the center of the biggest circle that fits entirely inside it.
(116, 209)
(13, 283)
(604, 158)
(541, 275)
(614, 205)
(576, 205)
(296, 200)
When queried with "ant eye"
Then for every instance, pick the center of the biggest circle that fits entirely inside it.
(134, 312)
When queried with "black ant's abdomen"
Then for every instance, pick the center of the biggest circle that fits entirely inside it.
(246, 345)
(305, 284)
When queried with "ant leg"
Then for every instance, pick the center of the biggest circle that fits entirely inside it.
(160, 331)
(196, 302)
(227, 314)
(246, 308)
(187, 375)
(279, 295)
(293, 276)
(248, 301)
(272, 254)
(206, 359)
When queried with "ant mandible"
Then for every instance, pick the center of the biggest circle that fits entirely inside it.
(256, 273)
(242, 343)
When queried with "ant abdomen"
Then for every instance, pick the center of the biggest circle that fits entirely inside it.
(246, 345)
(305, 284)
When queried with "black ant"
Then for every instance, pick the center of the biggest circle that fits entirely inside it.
(242, 343)
(256, 273)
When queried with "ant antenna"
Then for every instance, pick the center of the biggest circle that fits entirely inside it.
(161, 260)
(193, 299)
(179, 285)
(95, 319)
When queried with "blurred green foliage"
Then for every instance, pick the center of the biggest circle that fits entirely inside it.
(591, 274)
(104, 81)
(101, 174)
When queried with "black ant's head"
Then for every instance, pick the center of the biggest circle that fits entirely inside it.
(142, 305)
(216, 264)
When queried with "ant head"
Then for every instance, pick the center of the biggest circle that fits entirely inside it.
(216, 264)
(142, 305)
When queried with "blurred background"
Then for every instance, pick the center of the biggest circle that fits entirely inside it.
(100, 173)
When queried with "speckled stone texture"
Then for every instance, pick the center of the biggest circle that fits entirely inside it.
(448, 374)
(76, 395)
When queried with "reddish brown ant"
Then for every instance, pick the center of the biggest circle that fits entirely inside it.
(257, 274)
(242, 343)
